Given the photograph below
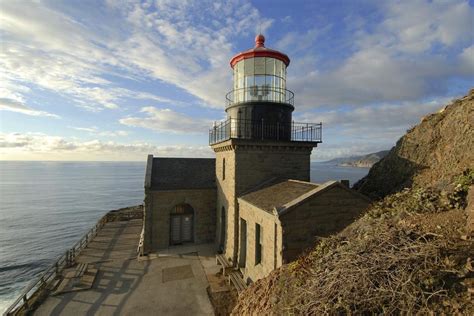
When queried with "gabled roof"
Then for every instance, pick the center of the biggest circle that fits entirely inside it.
(282, 197)
(180, 173)
(278, 193)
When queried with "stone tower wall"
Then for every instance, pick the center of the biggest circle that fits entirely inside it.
(249, 164)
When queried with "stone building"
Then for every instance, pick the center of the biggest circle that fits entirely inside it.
(281, 219)
(254, 200)
(180, 202)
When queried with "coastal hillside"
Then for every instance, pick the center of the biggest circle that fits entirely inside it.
(407, 255)
(410, 253)
(361, 161)
(429, 154)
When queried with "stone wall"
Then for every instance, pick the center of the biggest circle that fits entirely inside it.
(226, 201)
(320, 216)
(271, 242)
(159, 205)
(248, 164)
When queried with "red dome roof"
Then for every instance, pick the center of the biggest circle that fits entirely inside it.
(260, 51)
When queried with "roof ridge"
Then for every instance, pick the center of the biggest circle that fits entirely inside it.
(300, 199)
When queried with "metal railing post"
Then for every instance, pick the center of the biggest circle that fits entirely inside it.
(25, 301)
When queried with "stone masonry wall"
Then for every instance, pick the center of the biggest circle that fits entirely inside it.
(248, 164)
(226, 200)
(162, 203)
(323, 215)
(271, 238)
(255, 164)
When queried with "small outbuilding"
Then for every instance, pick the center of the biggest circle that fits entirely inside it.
(281, 219)
(180, 202)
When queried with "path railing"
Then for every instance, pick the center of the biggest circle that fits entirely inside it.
(38, 288)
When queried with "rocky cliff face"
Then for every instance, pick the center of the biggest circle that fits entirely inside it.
(430, 154)
(410, 253)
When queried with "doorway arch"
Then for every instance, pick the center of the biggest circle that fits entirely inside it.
(181, 224)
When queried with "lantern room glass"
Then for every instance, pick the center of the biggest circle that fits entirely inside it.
(260, 79)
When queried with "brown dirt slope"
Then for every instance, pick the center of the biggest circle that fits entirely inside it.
(430, 154)
(406, 255)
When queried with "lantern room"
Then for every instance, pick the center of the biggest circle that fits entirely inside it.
(260, 75)
(259, 106)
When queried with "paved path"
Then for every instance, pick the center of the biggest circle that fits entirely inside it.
(172, 284)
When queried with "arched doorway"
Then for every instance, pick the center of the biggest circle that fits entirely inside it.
(181, 224)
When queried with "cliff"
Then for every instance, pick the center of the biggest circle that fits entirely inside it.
(410, 253)
(363, 161)
(429, 154)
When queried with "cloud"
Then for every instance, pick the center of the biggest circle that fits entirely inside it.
(360, 130)
(39, 146)
(377, 116)
(167, 120)
(411, 54)
(18, 106)
(416, 26)
(54, 51)
(163, 41)
(173, 42)
(94, 130)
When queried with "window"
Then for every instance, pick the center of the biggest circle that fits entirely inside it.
(258, 244)
(223, 168)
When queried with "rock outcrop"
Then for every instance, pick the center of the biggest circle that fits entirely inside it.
(429, 154)
(411, 253)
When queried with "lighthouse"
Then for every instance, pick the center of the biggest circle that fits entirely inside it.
(258, 141)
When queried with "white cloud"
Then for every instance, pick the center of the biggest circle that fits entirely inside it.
(17, 105)
(467, 60)
(167, 120)
(51, 50)
(166, 40)
(361, 130)
(382, 116)
(38, 146)
(295, 42)
(94, 130)
(415, 26)
(410, 55)
(175, 43)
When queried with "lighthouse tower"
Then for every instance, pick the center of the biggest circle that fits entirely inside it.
(258, 142)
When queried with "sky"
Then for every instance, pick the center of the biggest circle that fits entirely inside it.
(118, 80)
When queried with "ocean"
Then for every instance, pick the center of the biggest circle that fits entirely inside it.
(45, 207)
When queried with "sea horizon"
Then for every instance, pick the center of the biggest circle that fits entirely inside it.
(47, 206)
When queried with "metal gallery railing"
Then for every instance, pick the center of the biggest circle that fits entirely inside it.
(263, 93)
(264, 130)
(35, 289)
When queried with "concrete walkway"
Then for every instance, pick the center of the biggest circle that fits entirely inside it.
(172, 283)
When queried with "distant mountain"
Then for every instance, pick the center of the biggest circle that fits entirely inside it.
(363, 161)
